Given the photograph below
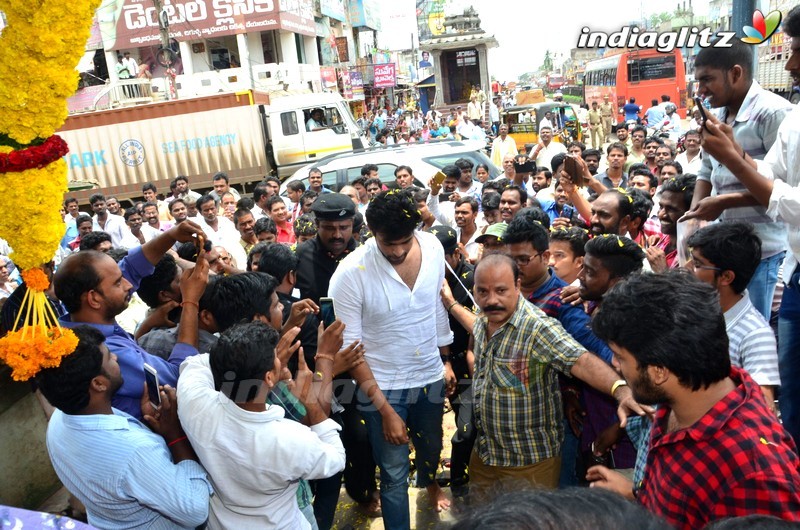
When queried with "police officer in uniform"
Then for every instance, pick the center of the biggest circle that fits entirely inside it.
(607, 113)
(319, 256)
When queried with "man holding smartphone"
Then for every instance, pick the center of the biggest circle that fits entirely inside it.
(94, 289)
(726, 80)
(127, 476)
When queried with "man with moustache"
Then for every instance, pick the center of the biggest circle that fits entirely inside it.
(512, 200)
(503, 146)
(319, 257)
(614, 176)
(518, 354)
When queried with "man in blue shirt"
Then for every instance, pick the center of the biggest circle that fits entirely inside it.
(654, 115)
(126, 475)
(631, 110)
(94, 290)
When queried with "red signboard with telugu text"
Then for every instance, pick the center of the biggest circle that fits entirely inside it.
(384, 75)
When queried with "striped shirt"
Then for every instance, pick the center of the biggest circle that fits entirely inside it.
(518, 410)
(752, 342)
(123, 473)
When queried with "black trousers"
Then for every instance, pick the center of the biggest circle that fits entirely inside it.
(464, 437)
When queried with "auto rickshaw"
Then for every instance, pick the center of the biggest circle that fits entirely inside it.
(523, 122)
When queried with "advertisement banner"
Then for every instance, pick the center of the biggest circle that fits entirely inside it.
(385, 75)
(134, 23)
(328, 75)
(333, 8)
(345, 83)
(365, 14)
(430, 18)
(357, 84)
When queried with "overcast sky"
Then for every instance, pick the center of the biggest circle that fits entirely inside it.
(525, 30)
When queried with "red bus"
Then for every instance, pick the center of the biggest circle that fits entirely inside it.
(642, 74)
(555, 81)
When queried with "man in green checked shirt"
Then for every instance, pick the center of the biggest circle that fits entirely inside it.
(518, 354)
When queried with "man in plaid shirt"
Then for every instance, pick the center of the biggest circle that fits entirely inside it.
(716, 450)
(519, 352)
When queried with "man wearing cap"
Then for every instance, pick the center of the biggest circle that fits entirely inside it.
(607, 113)
(319, 257)
(459, 277)
(491, 240)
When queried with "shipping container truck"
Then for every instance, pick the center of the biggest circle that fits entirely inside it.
(247, 135)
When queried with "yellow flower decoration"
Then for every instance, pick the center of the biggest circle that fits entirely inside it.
(42, 43)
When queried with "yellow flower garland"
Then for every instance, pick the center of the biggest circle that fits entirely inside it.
(41, 45)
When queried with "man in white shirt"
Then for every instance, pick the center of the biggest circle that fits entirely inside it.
(389, 301)
(503, 146)
(131, 64)
(691, 160)
(113, 225)
(254, 456)
(219, 230)
(546, 149)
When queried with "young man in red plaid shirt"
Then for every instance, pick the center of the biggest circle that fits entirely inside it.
(716, 450)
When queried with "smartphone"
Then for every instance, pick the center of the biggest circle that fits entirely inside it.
(326, 312)
(153, 388)
(439, 177)
(699, 103)
(573, 169)
(445, 196)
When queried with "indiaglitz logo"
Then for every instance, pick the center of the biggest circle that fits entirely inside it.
(762, 28)
(132, 153)
(665, 42)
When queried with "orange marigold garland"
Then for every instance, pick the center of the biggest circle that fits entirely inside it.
(49, 40)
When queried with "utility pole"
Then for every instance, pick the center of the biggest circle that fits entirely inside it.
(741, 16)
(165, 56)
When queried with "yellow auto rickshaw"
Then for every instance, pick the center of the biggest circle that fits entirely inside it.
(523, 122)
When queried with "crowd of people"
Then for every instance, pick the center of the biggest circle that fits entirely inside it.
(579, 336)
(481, 118)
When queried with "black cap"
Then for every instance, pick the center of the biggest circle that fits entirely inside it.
(446, 236)
(333, 207)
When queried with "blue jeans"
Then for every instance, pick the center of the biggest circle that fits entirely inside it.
(569, 456)
(762, 285)
(789, 355)
(422, 410)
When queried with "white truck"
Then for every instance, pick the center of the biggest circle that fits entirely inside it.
(247, 135)
(772, 58)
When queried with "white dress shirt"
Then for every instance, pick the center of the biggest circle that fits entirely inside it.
(225, 236)
(401, 328)
(115, 227)
(254, 459)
